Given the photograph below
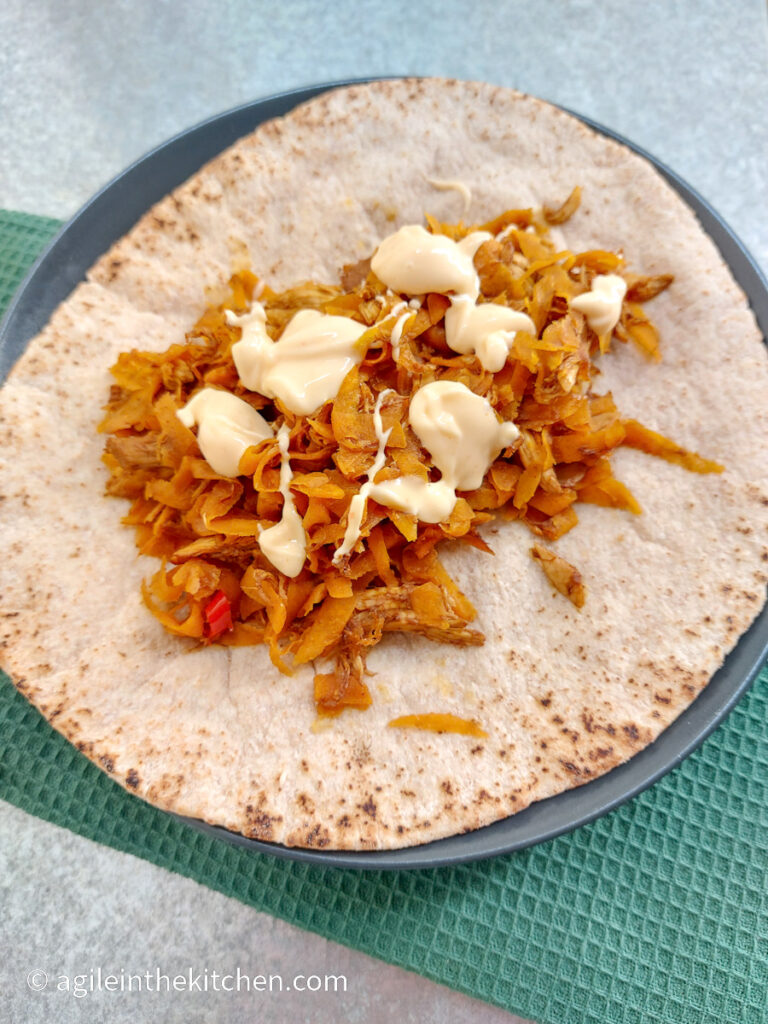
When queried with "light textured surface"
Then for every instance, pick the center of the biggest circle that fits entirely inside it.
(106, 82)
(148, 920)
(86, 89)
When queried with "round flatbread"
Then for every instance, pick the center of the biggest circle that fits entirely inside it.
(217, 733)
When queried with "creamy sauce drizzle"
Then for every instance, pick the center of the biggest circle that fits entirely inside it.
(397, 333)
(285, 543)
(414, 261)
(461, 432)
(446, 185)
(507, 231)
(397, 330)
(226, 427)
(357, 505)
(602, 304)
(306, 366)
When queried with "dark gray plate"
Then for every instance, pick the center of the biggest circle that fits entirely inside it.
(116, 208)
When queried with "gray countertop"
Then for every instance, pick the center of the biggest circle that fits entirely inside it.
(86, 89)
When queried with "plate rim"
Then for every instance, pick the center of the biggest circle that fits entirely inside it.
(62, 265)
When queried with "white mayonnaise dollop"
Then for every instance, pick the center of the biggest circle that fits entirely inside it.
(306, 366)
(462, 433)
(602, 304)
(413, 261)
(487, 330)
(226, 427)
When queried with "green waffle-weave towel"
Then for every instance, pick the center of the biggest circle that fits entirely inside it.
(657, 912)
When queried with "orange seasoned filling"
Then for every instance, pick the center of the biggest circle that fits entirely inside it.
(439, 722)
(218, 582)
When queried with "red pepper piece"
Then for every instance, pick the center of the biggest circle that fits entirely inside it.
(218, 615)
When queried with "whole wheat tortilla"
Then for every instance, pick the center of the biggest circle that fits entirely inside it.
(217, 733)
